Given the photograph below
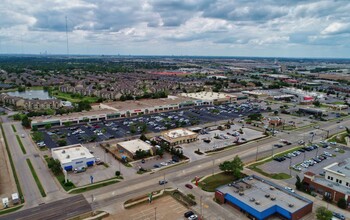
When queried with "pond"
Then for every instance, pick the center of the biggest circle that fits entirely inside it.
(32, 94)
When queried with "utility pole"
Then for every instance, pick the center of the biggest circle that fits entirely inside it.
(213, 167)
(201, 207)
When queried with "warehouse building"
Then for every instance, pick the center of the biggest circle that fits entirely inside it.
(179, 136)
(129, 148)
(73, 156)
(210, 98)
(260, 199)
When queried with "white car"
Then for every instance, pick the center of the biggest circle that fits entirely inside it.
(289, 189)
(193, 217)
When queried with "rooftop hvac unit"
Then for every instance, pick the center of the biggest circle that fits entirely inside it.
(291, 205)
(236, 191)
(267, 195)
(63, 151)
(82, 153)
(257, 202)
(252, 199)
(241, 193)
(272, 188)
(68, 156)
(273, 198)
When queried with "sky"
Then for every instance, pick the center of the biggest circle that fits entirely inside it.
(267, 28)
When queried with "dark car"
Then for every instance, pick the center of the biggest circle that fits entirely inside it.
(189, 186)
(188, 214)
(278, 145)
(156, 166)
(162, 182)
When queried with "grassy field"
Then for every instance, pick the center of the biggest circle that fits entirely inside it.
(95, 186)
(21, 144)
(13, 128)
(277, 176)
(71, 98)
(211, 183)
(19, 189)
(9, 210)
(36, 178)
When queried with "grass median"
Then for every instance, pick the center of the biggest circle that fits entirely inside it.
(210, 183)
(21, 144)
(36, 178)
(13, 128)
(19, 189)
(94, 186)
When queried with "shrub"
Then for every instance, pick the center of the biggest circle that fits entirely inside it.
(341, 203)
(117, 173)
(191, 196)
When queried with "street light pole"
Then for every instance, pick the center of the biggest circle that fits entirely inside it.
(213, 167)
(155, 213)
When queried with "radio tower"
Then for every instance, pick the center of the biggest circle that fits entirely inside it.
(67, 37)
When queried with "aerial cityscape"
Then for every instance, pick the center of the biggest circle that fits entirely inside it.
(179, 109)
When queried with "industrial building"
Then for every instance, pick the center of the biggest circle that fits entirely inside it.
(73, 156)
(179, 136)
(129, 148)
(334, 185)
(260, 199)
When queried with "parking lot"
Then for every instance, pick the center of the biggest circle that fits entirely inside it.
(154, 162)
(304, 161)
(219, 139)
(104, 130)
(165, 208)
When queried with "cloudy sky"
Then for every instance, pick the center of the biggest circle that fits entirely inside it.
(284, 28)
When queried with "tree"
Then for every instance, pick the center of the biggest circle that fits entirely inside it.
(17, 117)
(317, 103)
(235, 166)
(26, 122)
(143, 137)
(55, 166)
(341, 203)
(275, 112)
(38, 136)
(298, 183)
(62, 142)
(48, 126)
(323, 214)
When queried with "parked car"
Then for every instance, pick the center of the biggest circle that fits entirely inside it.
(289, 189)
(188, 214)
(338, 216)
(80, 169)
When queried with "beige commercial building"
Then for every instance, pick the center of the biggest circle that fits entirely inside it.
(129, 148)
(210, 98)
(179, 136)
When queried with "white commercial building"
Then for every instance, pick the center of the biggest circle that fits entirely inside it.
(73, 156)
(210, 98)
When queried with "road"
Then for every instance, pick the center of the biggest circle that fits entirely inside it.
(62, 209)
(111, 198)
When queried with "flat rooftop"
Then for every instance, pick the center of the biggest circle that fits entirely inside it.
(342, 168)
(177, 133)
(68, 153)
(74, 115)
(134, 145)
(208, 95)
(146, 103)
(257, 189)
(327, 183)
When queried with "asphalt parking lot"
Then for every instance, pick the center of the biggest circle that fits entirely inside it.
(104, 130)
(283, 167)
(154, 162)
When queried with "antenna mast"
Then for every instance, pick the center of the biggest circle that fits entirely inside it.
(67, 37)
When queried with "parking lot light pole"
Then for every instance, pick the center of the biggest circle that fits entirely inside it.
(290, 166)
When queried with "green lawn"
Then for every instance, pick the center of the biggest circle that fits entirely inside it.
(211, 183)
(36, 178)
(21, 144)
(339, 138)
(9, 210)
(19, 189)
(13, 128)
(91, 187)
(71, 98)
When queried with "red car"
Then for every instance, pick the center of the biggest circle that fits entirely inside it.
(189, 186)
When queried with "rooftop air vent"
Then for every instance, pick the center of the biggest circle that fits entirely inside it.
(241, 193)
(267, 195)
(273, 198)
(67, 156)
(291, 205)
(257, 202)
(252, 199)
